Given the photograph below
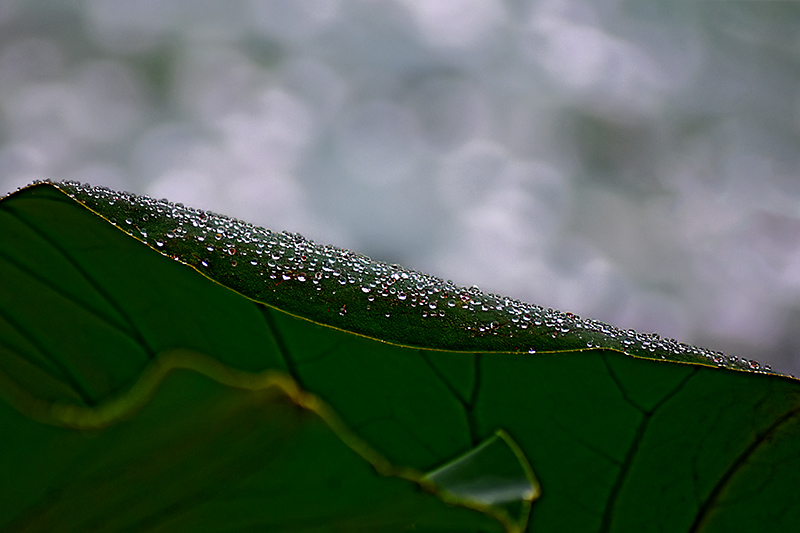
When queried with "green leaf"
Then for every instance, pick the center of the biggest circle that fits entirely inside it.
(423, 374)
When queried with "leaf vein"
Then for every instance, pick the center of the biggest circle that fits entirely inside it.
(633, 449)
(737, 465)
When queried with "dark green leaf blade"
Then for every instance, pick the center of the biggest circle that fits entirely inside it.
(618, 443)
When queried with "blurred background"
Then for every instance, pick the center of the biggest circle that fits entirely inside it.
(636, 162)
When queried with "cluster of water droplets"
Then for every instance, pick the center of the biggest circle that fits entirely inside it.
(284, 269)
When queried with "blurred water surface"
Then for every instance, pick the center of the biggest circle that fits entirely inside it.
(631, 161)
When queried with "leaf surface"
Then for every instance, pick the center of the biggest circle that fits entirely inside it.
(624, 431)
